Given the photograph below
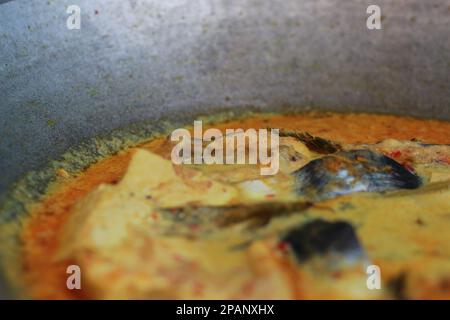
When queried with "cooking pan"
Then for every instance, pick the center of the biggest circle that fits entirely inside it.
(142, 61)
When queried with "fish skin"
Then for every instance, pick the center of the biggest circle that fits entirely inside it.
(337, 239)
(352, 171)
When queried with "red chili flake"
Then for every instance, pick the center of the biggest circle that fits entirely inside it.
(178, 258)
(270, 196)
(154, 215)
(198, 287)
(337, 274)
(194, 227)
(282, 245)
(248, 288)
(444, 159)
(395, 154)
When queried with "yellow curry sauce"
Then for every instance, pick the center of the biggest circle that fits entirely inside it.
(403, 234)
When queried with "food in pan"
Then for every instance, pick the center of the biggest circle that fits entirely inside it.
(353, 191)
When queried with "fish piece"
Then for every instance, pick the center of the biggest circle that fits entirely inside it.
(408, 152)
(257, 215)
(316, 144)
(335, 240)
(352, 171)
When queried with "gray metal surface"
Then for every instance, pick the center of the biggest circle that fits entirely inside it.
(134, 60)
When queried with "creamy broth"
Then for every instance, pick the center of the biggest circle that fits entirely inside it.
(405, 232)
